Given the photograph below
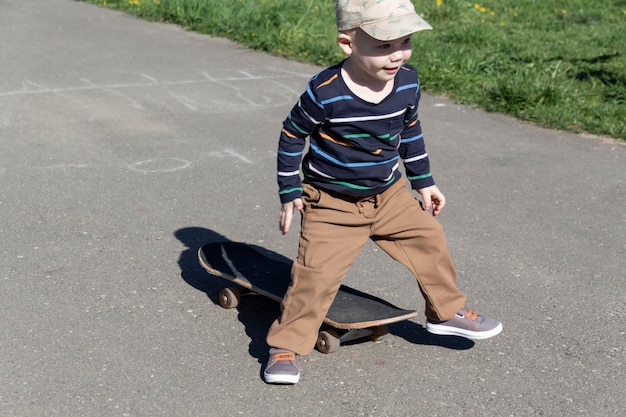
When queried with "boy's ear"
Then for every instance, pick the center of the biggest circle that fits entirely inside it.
(344, 39)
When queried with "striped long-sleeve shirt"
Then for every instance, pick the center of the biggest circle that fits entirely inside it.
(356, 147)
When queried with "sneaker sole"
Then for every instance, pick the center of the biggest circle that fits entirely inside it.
(455, 331)
(281, 379)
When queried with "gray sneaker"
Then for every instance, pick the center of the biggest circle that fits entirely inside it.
(466, 323)
(282, 367)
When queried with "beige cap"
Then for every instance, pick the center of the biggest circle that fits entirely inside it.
(381, 19)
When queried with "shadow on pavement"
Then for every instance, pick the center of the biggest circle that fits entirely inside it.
(257, 313)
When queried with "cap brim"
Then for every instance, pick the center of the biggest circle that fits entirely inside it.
(386, 30)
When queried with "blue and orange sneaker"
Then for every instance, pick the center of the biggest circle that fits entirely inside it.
(282, 367)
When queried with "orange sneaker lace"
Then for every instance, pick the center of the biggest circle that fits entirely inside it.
(471, 314)
(284, 356)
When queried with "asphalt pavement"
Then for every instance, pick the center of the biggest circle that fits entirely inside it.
(127, 144)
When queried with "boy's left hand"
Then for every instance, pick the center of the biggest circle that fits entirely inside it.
(432, 197)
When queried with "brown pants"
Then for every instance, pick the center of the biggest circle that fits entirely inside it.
(334, 230)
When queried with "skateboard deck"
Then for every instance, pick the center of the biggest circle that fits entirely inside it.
(353, 314)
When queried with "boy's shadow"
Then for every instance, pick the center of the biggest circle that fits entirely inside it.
(258, 313)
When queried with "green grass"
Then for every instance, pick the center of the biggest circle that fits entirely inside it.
(559, 64)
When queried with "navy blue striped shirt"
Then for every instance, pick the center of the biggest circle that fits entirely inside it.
(356, 147)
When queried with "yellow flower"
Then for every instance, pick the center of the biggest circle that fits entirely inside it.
(483, 9)
(439, 2)
(476, 6)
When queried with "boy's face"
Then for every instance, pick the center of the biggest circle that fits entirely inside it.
(377, 60)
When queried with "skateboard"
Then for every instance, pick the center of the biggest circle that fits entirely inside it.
(353, 314)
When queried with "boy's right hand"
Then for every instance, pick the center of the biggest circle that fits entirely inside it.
(286, 214)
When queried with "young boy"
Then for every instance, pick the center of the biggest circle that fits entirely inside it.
(361, 118)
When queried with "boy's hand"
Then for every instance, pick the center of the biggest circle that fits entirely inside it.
(434, 198)
(286, 214)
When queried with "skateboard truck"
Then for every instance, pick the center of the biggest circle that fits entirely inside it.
(328, 341)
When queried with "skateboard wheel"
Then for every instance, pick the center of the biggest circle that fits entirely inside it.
(327, 341)
(229, 297)
(378, 331)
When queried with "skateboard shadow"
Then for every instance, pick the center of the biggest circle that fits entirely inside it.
(258, 313)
